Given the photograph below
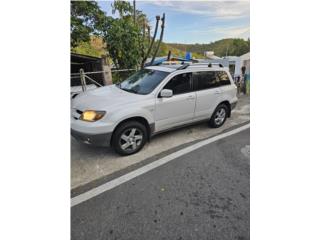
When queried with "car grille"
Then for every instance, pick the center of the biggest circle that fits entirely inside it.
(76, 113)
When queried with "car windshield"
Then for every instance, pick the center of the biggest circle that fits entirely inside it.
(143, 81)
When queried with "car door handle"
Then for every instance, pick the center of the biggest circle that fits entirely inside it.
(217, 91)
(190, 97)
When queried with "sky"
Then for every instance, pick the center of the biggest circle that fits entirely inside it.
(196, 21)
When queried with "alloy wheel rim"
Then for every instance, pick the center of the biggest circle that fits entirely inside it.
(220, 116)
(131, 139)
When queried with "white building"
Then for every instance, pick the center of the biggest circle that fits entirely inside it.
(210, 55)
(236, 63)
(245, 61)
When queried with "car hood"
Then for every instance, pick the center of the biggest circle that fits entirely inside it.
(103, 98)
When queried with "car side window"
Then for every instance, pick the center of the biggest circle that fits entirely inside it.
(223, 78)
(180, 84)
(205, 80)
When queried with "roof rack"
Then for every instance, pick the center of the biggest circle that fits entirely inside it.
(186, 65)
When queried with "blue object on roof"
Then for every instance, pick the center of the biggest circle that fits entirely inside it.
(188, 56)
(181, 59)
(159, 60)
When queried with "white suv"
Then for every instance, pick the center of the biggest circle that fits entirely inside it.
(153, 100)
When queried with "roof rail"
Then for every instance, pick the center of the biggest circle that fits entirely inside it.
(186, 65)
(208, 64)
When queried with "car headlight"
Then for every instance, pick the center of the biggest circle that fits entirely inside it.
(91, 115)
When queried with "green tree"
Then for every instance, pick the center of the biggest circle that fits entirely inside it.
(126, 41)
(87, 19)
(122, 40)
(124, 8)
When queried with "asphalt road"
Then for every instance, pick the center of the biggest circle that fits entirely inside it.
(202, 195)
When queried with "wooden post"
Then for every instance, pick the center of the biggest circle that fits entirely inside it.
(83, 80)
(107, 76)
(169, 56)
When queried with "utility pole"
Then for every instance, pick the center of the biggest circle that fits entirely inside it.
(160, 40)
(152, 42)
(134, 11)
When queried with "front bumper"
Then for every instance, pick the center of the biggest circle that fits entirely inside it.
(102, 140)
(233, 105)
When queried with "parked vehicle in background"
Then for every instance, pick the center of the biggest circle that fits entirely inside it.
(153, 100)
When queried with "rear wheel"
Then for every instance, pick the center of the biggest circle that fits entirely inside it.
(219, 116)
(129, 138)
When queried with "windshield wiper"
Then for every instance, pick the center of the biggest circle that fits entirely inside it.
(129, 90)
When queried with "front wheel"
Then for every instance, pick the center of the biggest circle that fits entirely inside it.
(219, 116)
(129, 138)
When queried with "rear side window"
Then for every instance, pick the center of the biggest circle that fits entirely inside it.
(180, 84)
(223, 78)
(207, 80)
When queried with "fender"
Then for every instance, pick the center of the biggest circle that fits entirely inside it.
(127, 113)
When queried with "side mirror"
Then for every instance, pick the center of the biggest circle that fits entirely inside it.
(166, 93)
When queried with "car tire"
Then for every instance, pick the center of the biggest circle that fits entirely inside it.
(129, 138)
(219, 116)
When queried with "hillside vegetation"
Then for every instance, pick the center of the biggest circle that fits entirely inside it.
(95, 47)
(230, 47)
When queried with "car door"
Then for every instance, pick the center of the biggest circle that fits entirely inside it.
(208, 93)
(228, 90)
(178, 109)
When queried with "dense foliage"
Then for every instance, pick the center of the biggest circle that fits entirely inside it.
(125, 38)
(87, 19)
(123, 43)
(95, 47)
(165, 48)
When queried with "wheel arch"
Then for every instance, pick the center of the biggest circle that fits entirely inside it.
(228, 104)
(140, 119)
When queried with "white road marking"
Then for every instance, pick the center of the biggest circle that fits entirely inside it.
(127, 177)
(246, 151)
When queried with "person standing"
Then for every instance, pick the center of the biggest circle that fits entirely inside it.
(243, 72)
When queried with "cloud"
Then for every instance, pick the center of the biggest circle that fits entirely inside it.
(215, 9)
(226, 32)
(241, 32)
(204, 21)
